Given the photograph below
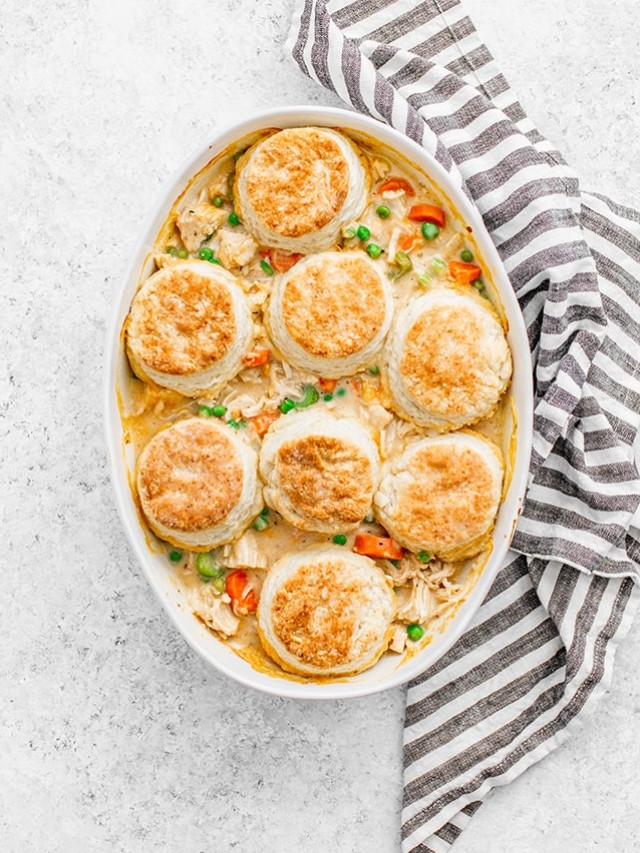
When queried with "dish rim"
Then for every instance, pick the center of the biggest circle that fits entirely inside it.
(522, 390)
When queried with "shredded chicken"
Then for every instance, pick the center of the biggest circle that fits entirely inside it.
(199, 221)
(419, 606)
(398, 639)
(236, 249)
(380, 168)
(214, 610)
(244, 554)
(378, 416)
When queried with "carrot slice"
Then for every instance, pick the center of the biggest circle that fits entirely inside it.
(327, 385)
(394, 184)
(261, 423)
(464, 273)
(378, 548)
(283, 261)
(256, 357)
(240, 591)
(406, 241)
(427, 213)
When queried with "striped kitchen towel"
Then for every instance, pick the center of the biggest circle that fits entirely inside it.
(541, 647)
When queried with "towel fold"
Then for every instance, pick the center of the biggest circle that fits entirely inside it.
(540, 649)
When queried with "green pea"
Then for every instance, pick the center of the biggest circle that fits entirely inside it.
(205, 411)
(215, 261)
(466, 256)
(205, 253)
(429, 230)
(175, 556)
(374, 251)
(415, 632)
(182, 253)
(479, 286)
(286, 405)
(349, 233)
(233, 423)
(266, 267)
(374, 370)
(328, 398)
(171, 250)
(309, 397)
(220, 584)
(233, 219)
(219, 411)
(339, 539)
(341, 392)
(208, 567)
(363, 232)
(424, 556)
(260, 523)
(265, 512)
(383, 211)
(218, 201)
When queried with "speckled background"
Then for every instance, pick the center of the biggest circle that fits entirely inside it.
(114, 736)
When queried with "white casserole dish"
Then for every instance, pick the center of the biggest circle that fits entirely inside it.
(389, 671)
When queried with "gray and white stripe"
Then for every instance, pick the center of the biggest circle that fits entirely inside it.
(540, 649)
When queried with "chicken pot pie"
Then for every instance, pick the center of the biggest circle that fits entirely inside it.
(311, 331)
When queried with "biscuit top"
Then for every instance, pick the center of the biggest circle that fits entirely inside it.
(334, 304)
(454, 359)
(190, 476)
(451, 496)
(319, 613)
(296, 181)
(326, 479)
(181, 322)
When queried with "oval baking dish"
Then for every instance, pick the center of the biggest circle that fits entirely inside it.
(390, 670)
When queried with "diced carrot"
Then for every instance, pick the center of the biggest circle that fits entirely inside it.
(464, 273)
(406, 241)
(427, 213)
(261, 423)
(240, 591)
(256, 357)
(394, 184)
(283, 261)
(327, 385)
(378, 548)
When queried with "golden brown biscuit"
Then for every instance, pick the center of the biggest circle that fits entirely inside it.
(329, 315)
(197, 484)
(447, 360)
(296, 188)
(326, 612)
(188, 328)
(441, 494)
(319, 471)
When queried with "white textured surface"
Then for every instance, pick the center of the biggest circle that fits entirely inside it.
(114, 736)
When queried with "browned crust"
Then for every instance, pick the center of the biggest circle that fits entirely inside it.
(189, 477)
(450, 499)
(181, 322)
(444, 368)
(325, 479)
(297, 181)
(317, 613)
(334, 307)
